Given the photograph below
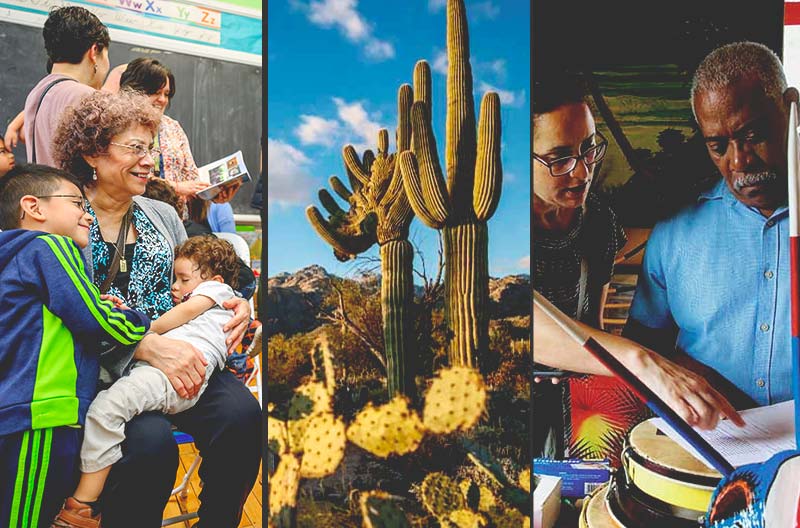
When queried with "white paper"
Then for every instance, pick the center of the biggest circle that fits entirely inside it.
(768, 430)
(221, 173)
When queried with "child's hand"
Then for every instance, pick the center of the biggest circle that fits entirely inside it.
(118, 303)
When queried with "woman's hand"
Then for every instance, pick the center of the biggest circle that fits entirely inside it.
(189, 188)
(183, 364)
(686, 392)
(227, 193)
(15, 132)
(238, 323)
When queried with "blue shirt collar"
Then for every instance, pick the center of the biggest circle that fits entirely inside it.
(720, 191)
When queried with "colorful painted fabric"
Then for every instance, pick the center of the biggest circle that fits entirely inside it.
(177, 162)
(765, 495)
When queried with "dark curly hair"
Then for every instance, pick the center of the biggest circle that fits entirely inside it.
(161, 190)
(212, 256)
(87, 129)
(147, 76)
(70, 31)
(553, 89)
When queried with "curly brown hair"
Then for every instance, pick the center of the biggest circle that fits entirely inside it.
(212, 256)
(161, 190)
(88, 128)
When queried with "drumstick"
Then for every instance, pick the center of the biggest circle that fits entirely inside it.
(794, 257)
(635, 384)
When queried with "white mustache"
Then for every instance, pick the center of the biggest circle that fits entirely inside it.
(754, 178)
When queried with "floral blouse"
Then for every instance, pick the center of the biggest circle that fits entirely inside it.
(176, 163)
(150, 275)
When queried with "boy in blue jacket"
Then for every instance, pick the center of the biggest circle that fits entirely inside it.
(52, 321)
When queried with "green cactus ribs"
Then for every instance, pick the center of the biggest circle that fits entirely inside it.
(397, 258)
(466, 249)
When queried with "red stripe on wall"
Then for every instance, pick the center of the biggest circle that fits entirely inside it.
(791, 14)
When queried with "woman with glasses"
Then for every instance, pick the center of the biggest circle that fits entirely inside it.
(576, 237)
(107, 143)
(176, 164)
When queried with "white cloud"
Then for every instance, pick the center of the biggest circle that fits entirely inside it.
(344, 16)
(507, 97)
(440, 62)
(524, 262)
(484, 9)
(378, 49)
(358, 122)
(497, 67)
(288, 181)
(435, 5)
(315, 130)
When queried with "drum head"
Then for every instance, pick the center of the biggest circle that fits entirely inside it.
(660, 449)
(595, 511)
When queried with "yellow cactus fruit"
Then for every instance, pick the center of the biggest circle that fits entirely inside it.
(308, 400)
(466, 519)
(323, 446)
(525, 480)
(455, 400)
(277, 435)
(379, 511)
(283, 485)
(440, 495)
(389, 429)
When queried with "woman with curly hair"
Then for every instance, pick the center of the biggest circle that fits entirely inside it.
(107, 143)
(176, 163)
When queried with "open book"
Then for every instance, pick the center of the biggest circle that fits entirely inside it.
(222, 173)
(769, 430)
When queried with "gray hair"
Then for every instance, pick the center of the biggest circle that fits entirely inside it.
(731, 63)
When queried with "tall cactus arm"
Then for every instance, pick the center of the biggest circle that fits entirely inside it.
(403, 134)
(460, 124)
(413, 188)
(488, 166)
(339, 188)
(430, 172)
(344, 245)
(354, 166)
(330, 205)
(422, 85)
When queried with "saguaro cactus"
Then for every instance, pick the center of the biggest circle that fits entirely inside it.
(461, 206)
(379, 212)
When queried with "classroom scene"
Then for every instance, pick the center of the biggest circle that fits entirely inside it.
(664, 218)
(130, 255)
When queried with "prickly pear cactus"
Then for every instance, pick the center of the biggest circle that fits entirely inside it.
(277, 435)
(461, 205)
(524, 480)
(508, 518)
(455, 400)
(379, 212)
(441, 496)
(323, 446)
(380, 511)
(466, 519)
(389, 429)
(283, 486)
(479, 498)
(309, 400)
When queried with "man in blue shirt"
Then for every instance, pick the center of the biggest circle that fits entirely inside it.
(715, 278)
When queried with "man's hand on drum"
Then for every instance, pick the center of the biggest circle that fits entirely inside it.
(686, 392)
(183, 364)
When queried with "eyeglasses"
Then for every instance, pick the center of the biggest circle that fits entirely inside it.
(78, 201)
(564, 166)
(140, 150)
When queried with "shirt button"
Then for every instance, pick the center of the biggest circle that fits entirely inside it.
(760, 382)
(770, 223)
(769, 274)
(764, 327)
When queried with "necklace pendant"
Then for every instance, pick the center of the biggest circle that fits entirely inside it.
(123, 266)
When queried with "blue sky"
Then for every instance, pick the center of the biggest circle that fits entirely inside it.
(334, 67)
